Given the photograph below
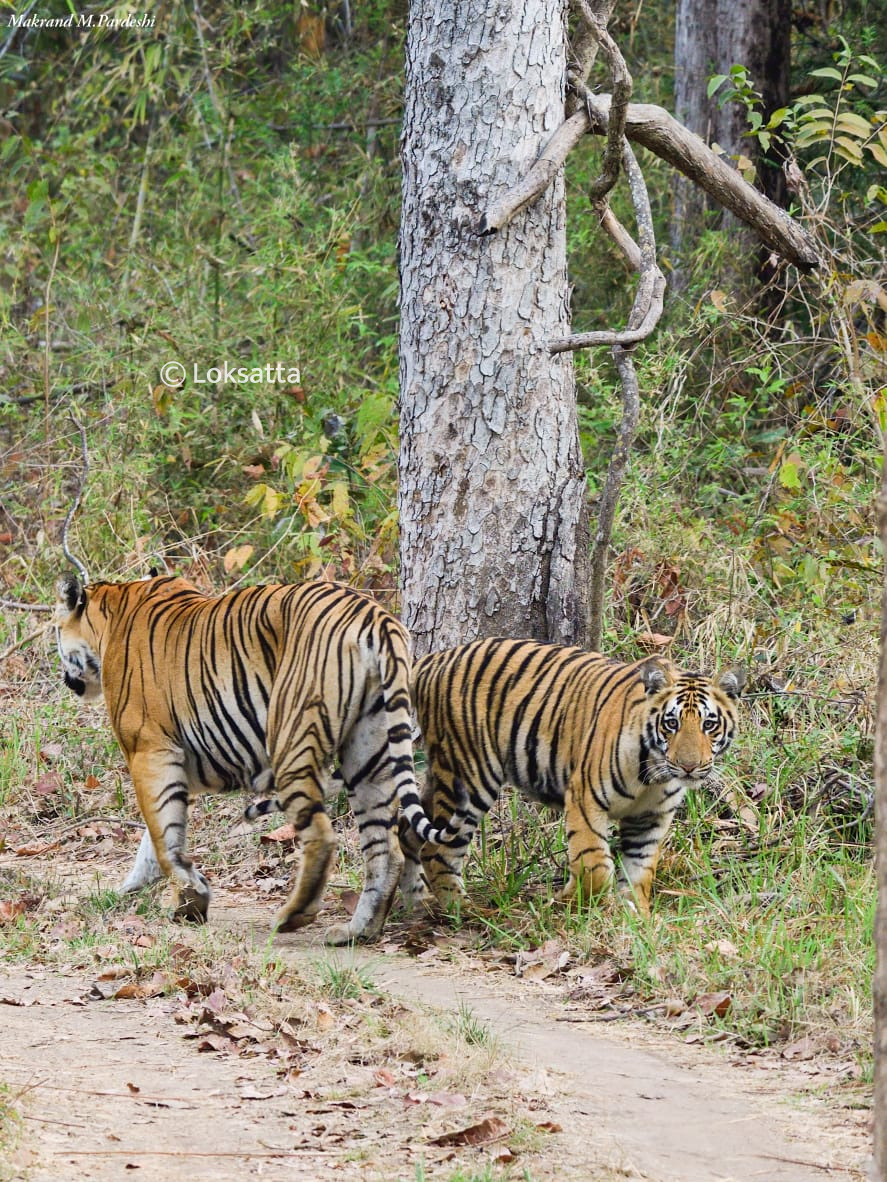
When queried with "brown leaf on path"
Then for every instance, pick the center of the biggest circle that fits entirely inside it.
(493, 1128)
(35, 849)
(349, 900)
(139, 990)
(215, 1042)
(802, 1049)
(385, 1078)
(714, 1003)
(283, 833)
(10, 908)
(47, 784)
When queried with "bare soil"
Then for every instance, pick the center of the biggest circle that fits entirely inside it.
(111, 1088)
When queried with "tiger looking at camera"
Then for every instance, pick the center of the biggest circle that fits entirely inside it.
(605, 742)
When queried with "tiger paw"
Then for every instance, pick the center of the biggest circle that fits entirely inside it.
(292, 922)
(191, 906)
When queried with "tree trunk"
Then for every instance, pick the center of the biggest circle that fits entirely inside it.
(493, 515)
(710, 37)
(880, 981)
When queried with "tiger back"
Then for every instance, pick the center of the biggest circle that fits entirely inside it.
(604, 741)
(263, 685)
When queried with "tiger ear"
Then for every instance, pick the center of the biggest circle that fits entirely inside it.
(732, 681)
(71, 594)
(654, 676)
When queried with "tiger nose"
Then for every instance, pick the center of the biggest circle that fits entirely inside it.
(688, 766)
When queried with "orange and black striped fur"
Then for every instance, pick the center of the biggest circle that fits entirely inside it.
(604, 741)
(265, 684)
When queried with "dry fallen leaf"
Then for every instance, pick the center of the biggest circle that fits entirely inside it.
(284, 833)
(36, 849)
(486, 1131)
(10, 908)
(714, 1003)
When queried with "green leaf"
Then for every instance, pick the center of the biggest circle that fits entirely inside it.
(854, 124)
(862, 79)
(827, 72)
(788, 475)
(714, 82)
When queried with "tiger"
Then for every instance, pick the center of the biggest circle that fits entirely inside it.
(603, 741)
(263, 687)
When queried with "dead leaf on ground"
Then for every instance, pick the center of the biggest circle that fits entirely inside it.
(493, 1128)
(139, 990)
(10, 908)
(802, 1049)
(724, 947)
(35, 849)
(714, 1003)
(440, 1099)
(283, 833)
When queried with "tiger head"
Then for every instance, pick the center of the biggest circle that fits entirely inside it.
(689, 719)
(76, 642)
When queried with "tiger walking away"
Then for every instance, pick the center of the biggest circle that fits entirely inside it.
(264, 685)
(606, 742)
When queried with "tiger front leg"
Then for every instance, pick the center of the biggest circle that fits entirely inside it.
(161, 788)
(641, 838)
(587, 828)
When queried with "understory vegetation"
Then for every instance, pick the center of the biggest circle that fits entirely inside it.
(229, 192)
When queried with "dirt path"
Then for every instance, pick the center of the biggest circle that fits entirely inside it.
(114, 1091)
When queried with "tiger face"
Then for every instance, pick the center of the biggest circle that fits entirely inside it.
(75, 641)
(691, 721)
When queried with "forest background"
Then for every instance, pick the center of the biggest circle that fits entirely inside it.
(226, 188)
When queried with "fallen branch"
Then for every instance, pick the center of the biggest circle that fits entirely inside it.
(10, 649)
(15, 605)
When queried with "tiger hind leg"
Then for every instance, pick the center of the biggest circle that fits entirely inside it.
(145, 870)
(370, 771)
(302, 800)
(162, 792)
(442, 865)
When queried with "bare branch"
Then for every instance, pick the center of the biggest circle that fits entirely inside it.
(654, 128)
(75, 503)
(583, 51)
(649, 298)
(619, 234)
(16, 605)
(631, 409)
(540, 176)
(622, 86)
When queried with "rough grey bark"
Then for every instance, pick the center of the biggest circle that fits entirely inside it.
(493, 515)
(710, 37)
